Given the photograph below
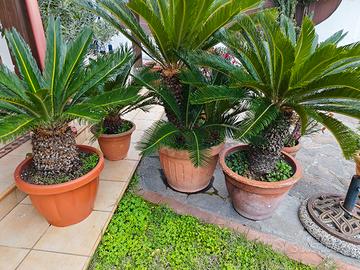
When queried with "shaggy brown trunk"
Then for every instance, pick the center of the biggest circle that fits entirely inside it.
(264, 155)
(171, 80)
(112, 123)
(54, 151)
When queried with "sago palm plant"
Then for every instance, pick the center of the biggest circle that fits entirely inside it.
(113, 122)
(175, 26)
(44, 102)
(287, 73)
(198, 127)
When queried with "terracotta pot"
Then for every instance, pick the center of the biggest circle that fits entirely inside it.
(293, 150)
(63, 204)
(322, 9)
(357, 163)
(257, 200)
(116, 146)
(181, 174)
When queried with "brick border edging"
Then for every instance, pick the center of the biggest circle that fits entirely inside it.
(6, 149)
(291, 250)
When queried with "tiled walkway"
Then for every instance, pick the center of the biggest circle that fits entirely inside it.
(28, 242)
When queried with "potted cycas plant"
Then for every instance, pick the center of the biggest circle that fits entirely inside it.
(175, 28)
(114, 132)
(189, 149)
(286, 74)
(61, 178)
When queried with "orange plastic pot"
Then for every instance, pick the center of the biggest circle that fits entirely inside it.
(357, 164)
(257, 200)
(180, 172)
(64, 204)
(292, 150)
(116, 146)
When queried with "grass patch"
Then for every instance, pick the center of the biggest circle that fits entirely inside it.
(142, 235)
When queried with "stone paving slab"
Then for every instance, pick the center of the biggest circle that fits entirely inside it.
(325, 170)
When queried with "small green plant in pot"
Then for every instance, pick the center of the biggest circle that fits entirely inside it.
(175, 28)
(286, 73)
(189, 150)
(114, 132)
(61, 177)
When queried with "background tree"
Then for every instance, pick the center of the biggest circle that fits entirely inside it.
(74, 18)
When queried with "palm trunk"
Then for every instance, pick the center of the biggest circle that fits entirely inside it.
(172, 82)
(54, 151)
(264, 155)
(112, 123)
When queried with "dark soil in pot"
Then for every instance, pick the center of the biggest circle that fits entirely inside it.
(88, 161)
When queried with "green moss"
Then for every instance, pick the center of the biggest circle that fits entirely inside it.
(145, 236)
(88, 162)
(238, 162)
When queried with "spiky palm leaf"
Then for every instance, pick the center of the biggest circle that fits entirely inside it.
(174, 24)
(200, 127)
(57, 95)
(289, 74)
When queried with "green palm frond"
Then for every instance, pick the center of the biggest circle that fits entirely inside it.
(74, 58)
(345, 136)
(161, 133)
(12, 126)
(25, 61)
(281, 72)
(214, 93)
(148, 79)
(53, 59)
(11, 83)
(334, 39)
(98, 71)
(173, 24)
(260, 115)
(199, 152)
(62, 92)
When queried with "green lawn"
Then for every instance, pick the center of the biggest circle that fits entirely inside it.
(142, 235)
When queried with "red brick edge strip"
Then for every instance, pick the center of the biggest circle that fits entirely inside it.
(14, 144)
(291, 250)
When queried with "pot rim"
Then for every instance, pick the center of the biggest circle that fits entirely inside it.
(63, 187)
(184, 154)
(256, 183)
(296, 147)
(130, 131)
